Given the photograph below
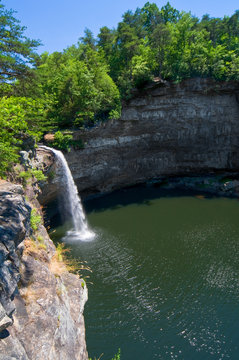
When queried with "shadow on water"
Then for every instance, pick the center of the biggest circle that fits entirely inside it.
(164, 272)
(142, 194)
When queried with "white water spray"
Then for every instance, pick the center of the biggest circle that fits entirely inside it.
(72, 201)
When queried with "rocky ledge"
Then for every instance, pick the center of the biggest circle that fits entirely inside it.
(41, 303)
(166, 129)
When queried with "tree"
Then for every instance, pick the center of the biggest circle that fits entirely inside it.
(19, 128)
(151, 16)
(88, 39)
(76, 86)
(169, 14)
(106, 41)
(16, 50)
(160, 40)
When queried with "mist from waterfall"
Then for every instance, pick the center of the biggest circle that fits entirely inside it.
(70, 202)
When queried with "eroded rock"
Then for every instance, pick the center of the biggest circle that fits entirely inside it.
(41, 305)
(165, 130)
(14, 227)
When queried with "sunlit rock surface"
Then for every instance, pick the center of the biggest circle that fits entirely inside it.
(41, 310)
(165, 129)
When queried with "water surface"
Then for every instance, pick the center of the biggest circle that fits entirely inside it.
(165, 276)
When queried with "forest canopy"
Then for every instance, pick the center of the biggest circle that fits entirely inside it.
(85, 83)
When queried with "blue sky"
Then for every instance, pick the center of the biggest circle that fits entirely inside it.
(59, 23)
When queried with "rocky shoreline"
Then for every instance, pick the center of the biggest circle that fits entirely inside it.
(224, 185)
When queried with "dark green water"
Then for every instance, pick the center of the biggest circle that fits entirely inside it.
(165, 276)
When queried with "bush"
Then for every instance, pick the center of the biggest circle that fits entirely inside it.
(35, 219)
(37, 174)
(62, 141)
(18, 123)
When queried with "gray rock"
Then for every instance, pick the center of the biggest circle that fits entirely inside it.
(166, 130)
(25, 159)
(14, 226)
(43, 319)
(5, 321)
(2, 312)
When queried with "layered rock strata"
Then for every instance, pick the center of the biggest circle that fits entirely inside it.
(165, 130)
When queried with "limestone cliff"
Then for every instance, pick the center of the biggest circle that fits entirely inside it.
(166, 129)
(41, 303)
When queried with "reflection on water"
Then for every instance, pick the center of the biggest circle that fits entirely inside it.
(165, 276)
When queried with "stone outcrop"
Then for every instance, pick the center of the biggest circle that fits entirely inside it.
(14, 227)
(165, 130)
(41, 303)
(45, 160)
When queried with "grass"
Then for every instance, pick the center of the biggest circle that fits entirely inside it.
(36, 250)
(116, 357)
(29, 295)
(61, 263)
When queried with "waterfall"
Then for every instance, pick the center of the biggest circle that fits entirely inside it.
(71, 202)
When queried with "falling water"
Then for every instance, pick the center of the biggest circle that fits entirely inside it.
(71, 200)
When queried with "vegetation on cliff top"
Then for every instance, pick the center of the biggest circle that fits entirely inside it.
(86, 82)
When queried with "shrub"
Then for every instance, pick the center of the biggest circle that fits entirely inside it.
(35, 219)
(26, 175)
(38, 174)
(18, 125)
(62, 141)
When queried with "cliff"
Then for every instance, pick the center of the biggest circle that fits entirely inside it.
(166, 129)
(41, 303)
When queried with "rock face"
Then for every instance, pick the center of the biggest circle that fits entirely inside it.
(14, 227)
(166, 129)
(41, 303)
(45, 160)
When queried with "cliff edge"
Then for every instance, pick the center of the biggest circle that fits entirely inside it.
(41, 303)
(166, 129)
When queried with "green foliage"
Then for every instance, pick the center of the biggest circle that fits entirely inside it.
(7, 157)
(85, 83)
(40, 239)
(116, 357)
(77, 86)
(35, 219)
(142, 67)
(172, 45)
(62, 141)
(37, 174)
(60, 250)
(16, 50)
(18, 128)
